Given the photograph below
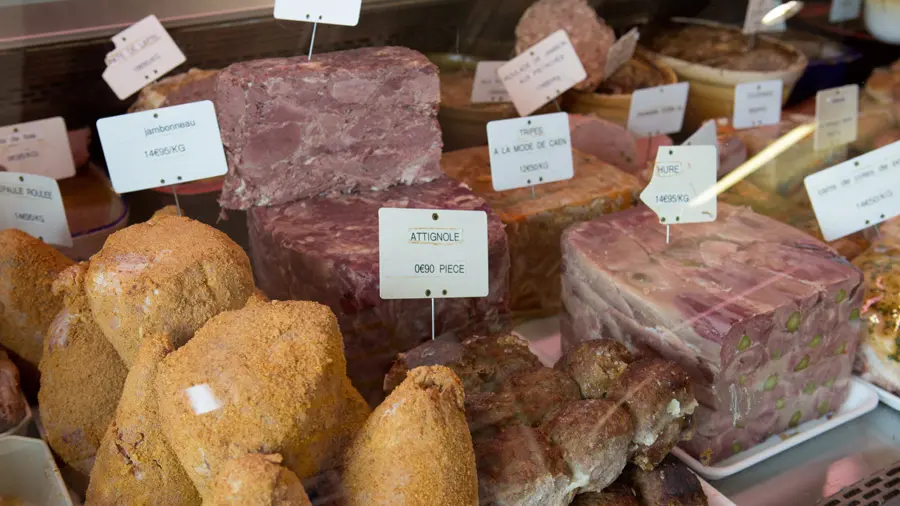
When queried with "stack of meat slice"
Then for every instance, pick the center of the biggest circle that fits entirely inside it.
(543, 435)
(764, 318)
(314, 149)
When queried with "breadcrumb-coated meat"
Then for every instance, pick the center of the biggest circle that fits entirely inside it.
(27, 302)
(594, 437)
(671, 483)
(81, 377)
(268, 378)
(135, 465)
(657, 393)
(595, 366)
(168, 275)
(614, 496)
(256, 480)
(415, 449)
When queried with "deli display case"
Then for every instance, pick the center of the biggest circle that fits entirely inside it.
(449, 253)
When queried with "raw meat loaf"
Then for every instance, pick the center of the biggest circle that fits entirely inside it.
(326, 250)
(534, 224)
(763, 317)
(364, 119)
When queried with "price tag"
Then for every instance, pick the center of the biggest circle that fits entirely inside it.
(844, 10)
(620, 52)
(756, 10)
(757, 104)
(706, 135)
(33, 204)
(837, 114)
(332, 12)
(37, 147)
(858, 193)
(144, 53)
(530, 151)
(432, 253)
(542, 73)
(487, 87)
(658, 110)
(162, 147)
(681, 174)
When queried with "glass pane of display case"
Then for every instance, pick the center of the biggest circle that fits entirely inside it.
(448, 253)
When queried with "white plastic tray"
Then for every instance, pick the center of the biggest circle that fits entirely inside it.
(28, 472)
(889, 399)
(713, 496)
(862, 399)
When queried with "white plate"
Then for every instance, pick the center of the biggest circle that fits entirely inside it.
(861, 400)
(891, 400)
(713, 496)
(27, 471)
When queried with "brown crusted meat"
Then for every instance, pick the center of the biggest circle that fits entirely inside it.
(12, 403)
(595, 366)
(590, 35)
(613, 496)
(135, 465)
(168, 275)
(594, 437)
(415, 449)
(489, 412)
(481, 362)
(192, 86)
(520, 467)
(657, 394)
(256, 480)
(539, 392)
(672, 484)
(81, 377)
(27, 303)
(267, 378)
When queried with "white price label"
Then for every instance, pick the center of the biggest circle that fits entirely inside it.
(757, 104)
(487, 87)
(332, 12)
(658, 110)
(162, 147)
(432, 253)
(858, 193)
(37, 147)
(844, 10)
(837, 115)
(530, 151)
(144, 53)
(541, 73)
(680, 175)
(33, 204)
(620, 52)
(756, 10)
(706, 135)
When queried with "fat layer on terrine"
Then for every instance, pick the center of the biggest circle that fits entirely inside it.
(326, 250)
(535, 222)
(763, 317)
(364, 119)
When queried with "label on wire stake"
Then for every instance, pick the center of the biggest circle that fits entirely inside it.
(487, 88)
(542, 72)
(706, 135)
(432, 253)
(658, 110)
(162, 147)
(837, 117)
(33, 204)
(144, 53)
(330, 12)
(620, 52)
(680, 176)
(858, 193)
(756, 10)
(37, 147)
(530, 151)
(844, 10)
(757, 104)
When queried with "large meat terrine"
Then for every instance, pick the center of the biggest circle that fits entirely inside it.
(326, 250)
(364, 119)
(763, 317)
(535, 223)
